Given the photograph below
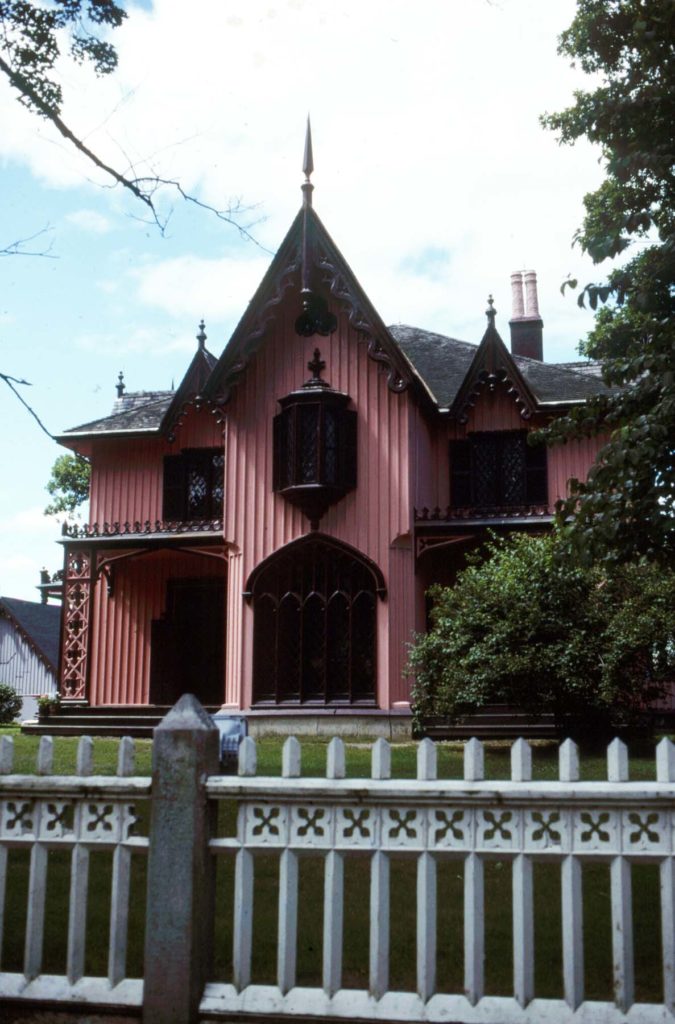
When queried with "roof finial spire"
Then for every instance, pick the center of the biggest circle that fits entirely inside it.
(120, 386)
(201, 337)
(491, 312)
(307, 167)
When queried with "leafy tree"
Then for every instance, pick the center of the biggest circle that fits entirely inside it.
(68, 484)
(525, 627)
(10, 704)
(626, 507)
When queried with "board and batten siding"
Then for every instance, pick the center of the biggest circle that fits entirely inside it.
(371, 518)
(122, 624)
(20, 666)
(127, 477)
(126, 487)
(493, 411)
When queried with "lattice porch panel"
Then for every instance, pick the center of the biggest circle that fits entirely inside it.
(76, 623)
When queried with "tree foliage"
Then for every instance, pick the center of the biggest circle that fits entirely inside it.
(68, 484)
(626, 507)
(527, 628)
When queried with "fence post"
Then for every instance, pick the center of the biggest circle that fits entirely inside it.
(180, 894)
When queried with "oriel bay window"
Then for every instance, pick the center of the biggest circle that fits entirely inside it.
(193, 485)
(314, 445)
(497, 469)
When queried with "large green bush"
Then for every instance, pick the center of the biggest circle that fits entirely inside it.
(524, 627)
(10, 704)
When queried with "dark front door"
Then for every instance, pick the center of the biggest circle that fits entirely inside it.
(188, 643)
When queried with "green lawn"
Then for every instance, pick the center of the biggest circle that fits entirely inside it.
(450, 891)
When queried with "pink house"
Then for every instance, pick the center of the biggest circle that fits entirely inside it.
(264, 535)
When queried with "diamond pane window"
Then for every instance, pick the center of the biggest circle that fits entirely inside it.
(497, 469)
(193, 485)
(314, 446)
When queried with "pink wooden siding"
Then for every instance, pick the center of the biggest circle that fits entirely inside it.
(127, 475)
(370, 518)
(121, 634)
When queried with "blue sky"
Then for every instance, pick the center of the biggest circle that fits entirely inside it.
(432, 174)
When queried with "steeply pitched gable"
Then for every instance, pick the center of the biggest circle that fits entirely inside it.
(330, 276)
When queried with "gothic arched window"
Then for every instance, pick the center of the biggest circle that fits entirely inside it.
(314, 606)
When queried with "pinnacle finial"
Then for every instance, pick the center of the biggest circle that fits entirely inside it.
(491, 312)
(201, 337)
(120, 386)
(307, 166)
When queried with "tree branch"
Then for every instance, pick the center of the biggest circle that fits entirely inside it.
(142, 187)
(16, 248)
(10, 382)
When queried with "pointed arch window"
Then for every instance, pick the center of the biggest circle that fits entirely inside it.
(314, 606)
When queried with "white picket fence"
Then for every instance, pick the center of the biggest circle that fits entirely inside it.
(470, 821)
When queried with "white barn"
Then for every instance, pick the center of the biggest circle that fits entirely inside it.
(29, 649)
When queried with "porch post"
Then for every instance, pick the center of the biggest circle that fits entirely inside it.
(179, 917)
(79, 579)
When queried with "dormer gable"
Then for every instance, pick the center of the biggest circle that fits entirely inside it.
(492, 368)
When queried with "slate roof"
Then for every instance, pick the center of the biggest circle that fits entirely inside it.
(39, 624)
(145, 412)
(443, 363)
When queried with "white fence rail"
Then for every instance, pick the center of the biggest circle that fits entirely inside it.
(469, 822)
(80, 814)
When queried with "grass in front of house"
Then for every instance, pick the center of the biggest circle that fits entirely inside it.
(548, 973)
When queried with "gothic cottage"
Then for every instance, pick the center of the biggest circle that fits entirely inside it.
(263, 536)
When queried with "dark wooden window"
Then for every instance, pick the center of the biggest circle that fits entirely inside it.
(497, 469)
(314, 627)
(193, 485)
(315, 444)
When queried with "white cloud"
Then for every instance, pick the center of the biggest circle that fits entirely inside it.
(90, 220)
(426, 135)
(190, 286)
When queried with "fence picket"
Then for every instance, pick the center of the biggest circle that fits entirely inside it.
(474, 761)
(45, 755)
(288, 920)
(379, 924)
(6, 754)
(568, 761)
(426, 926)
(474, 928)
(381, 760)
(126, 757)
(523, 930)
(35, 920)
(622, 932)
(333, 909)
(667, 880)
(243, 919)
(77, 918)
(291, 759)
(85, 756)
(119, 915)
(335, 759)
(572, 932)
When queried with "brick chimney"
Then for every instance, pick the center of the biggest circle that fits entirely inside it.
(527, 327)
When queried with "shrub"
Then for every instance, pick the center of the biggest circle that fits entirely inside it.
(527, 628)
(10, 704)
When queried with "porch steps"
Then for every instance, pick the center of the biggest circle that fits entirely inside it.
(137, 720)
